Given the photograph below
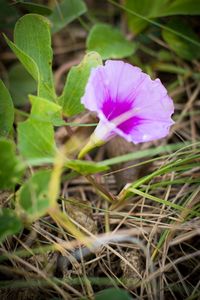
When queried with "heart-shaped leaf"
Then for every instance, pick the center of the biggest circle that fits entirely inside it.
(109, 42)
(6, 110)
(11, 168)
(65, 12)
(32, 46)
(76, 82)
(36, 139)
(32, 197)
(9, 223)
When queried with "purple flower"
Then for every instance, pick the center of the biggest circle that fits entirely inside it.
(128, 103)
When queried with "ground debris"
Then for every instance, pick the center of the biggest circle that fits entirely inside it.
(133, 257)
(81, 212)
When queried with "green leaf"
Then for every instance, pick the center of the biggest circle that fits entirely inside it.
(6, 110)
(139, 11)
(32, 197)
(36, 135)
(32, 35)
(36, 139)
(85, 167)
(9, 223)
(20, 84)
(182, 7)
(66, 12)
(32, 46)
(45, 111)
(76, 82)
(10, 167)
(180, 46)
(145, 9)
(109, 42)
(113, 294)
(35, 8)
(25, 59)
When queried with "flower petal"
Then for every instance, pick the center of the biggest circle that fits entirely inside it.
(146, 131)
(115, 82)
(122, 80)
(152, 101)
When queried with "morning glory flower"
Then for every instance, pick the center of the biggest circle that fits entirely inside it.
(128, 103)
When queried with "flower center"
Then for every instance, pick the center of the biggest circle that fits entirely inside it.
(114, 109)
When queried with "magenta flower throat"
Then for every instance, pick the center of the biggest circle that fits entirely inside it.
(128, 103)
(112, 111)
